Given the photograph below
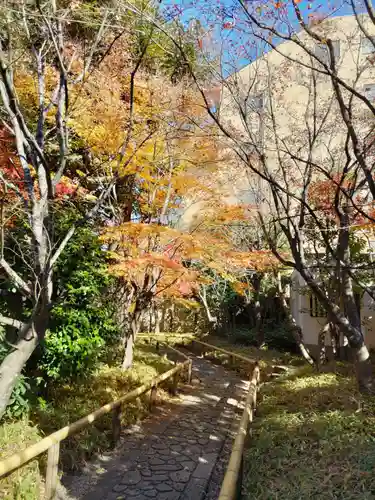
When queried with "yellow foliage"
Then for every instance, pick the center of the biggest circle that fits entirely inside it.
(98, 115)
(27, 91)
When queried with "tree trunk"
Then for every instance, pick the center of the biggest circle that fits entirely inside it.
(322, 358)
(157, 320)
(364, 369)
(29, 336)
(356, 340)
(150, 318)
(345, 347)
(163, 317)
(348, 320)
(130, 339)
(296, 330)
(196, 322)
(350, 327)
(257, 310)
(171, 318)
(203, 297)
(249, 311)
(297, 334)
(335, 339)
(128, 354)
(12, 366)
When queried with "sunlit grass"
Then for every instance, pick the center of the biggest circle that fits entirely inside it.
(66, 403)
(25, 483)
(170, 338)
(311, 437)
(310, 441)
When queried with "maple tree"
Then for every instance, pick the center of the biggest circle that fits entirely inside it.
(102, 136)
(251, 261)
(75, 117)
(158, 262)
(115, 110)
(159, 176)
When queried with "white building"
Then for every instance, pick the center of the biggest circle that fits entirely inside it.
(311, 317)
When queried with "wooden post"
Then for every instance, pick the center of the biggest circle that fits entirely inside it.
(231, 362)
(189, 373)
(153, 394)
(52, 471)
(175, 378)
(116, 424)
(254, 398)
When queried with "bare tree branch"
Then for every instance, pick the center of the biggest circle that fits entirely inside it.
(15, 277)
(11, 322)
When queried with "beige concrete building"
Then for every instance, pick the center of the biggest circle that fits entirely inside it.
(282, 107)
(279, 98)
(284, 74)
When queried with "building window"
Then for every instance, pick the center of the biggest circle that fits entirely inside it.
(367, 45)
(316, 308)
(369, 91)
(318, 311)
(323, 54)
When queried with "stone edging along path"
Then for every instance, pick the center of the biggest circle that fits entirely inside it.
(177, 453)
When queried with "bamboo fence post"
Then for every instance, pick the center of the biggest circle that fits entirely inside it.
(24, 456)
(189, 371)
(231, 488)
(240, 478)
(231, 361)
(153, 394)
(52, 471)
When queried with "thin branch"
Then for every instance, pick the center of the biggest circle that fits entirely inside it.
(4, 320)
(15, 277)
(94, 47)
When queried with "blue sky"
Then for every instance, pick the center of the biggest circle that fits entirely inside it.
(229, 28)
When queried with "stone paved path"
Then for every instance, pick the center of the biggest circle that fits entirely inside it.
(175, 454)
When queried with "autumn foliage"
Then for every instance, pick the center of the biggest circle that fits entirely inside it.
(326, 197)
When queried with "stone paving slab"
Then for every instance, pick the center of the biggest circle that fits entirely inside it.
(172, 455)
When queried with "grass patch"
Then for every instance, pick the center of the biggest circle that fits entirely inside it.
(309, 440)
(170, 338)
(64, 404)
(25, 483)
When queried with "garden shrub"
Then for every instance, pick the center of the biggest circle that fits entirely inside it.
(82, 324)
